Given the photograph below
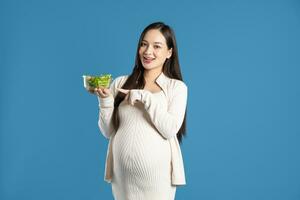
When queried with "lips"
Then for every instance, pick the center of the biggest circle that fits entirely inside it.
(148, 59)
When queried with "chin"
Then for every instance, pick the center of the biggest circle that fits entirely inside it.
(148, 66)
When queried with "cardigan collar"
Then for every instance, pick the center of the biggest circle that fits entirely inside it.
(162, 81)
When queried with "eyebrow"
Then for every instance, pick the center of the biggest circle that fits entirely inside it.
(154, 42)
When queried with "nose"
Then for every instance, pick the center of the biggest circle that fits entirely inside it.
(148, 50)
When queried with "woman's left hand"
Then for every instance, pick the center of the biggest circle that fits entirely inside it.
(132, 96)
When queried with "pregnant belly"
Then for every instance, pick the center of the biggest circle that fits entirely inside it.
(140, 152)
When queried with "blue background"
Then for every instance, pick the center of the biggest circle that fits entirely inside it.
(240, 60)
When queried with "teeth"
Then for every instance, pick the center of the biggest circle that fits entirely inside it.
(149, 58)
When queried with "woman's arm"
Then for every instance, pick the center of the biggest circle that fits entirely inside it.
(167, 120)
(106, 108)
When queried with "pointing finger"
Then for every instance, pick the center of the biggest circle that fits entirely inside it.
(123, 90)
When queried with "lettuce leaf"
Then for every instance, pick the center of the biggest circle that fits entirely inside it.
(100, 81)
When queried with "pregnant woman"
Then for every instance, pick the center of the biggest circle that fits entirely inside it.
(143, 116)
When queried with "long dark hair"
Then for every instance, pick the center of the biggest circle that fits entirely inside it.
(136, 79)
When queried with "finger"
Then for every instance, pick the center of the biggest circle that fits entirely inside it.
(97, 92)
(102, 93)
(123, 90)
(106, 91)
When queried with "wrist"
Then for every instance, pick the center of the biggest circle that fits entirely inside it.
(106, 101)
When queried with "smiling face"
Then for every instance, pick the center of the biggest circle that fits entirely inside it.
(153, 50)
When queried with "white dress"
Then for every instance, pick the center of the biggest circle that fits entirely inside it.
(144, 160)
(141, 157)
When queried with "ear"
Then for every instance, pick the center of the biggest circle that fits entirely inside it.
(170, 53)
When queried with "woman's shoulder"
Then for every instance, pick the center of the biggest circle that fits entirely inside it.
(178, 84)
(119, 80)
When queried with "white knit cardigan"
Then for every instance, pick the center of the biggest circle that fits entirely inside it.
(167, 120)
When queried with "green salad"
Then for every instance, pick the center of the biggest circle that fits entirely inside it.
(100, 81)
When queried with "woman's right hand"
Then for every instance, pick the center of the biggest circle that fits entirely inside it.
(101, 92)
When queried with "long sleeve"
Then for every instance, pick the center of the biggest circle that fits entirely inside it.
(106, 108)
(167, 120)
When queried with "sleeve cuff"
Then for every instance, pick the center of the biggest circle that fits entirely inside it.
(145, 97)
(106, 102)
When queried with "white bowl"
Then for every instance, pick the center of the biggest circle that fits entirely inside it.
(85, 82)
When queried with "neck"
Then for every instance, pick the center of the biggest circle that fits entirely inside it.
(152, 74)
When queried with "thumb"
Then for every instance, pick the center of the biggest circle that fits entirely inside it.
(106, 91)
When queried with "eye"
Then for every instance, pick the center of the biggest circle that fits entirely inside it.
(157, 46)
(143, 44)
